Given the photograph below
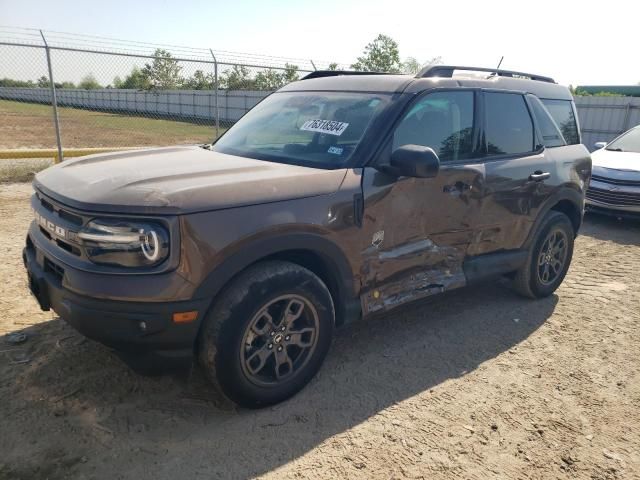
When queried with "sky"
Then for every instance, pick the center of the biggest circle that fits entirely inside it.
(576, 43)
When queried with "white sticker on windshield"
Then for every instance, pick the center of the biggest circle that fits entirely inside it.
(335, 150)
(330, 127)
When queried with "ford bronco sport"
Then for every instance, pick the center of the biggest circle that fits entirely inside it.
(339, 196)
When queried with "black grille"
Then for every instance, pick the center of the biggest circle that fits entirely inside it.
(54, 269)
(46, 204)
(62, 213)
(613, 197)
(68, 247)
(70, 217)
(45, 233)
(616, 181)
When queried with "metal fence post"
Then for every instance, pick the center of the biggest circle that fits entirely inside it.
(54, 101)
(627, 115)
(215, 86)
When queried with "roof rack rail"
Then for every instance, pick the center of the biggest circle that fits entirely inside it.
(336, 73)
(447, 71)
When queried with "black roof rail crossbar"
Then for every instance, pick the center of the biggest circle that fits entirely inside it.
(336, 73)
(447, 71)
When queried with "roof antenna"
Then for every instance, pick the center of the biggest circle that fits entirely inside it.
(497, 70)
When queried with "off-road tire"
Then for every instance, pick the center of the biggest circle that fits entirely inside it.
(526, 280)
(221, 343)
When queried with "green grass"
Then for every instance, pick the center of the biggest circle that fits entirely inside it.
(30, 125)
(26, 108)
(148, 125)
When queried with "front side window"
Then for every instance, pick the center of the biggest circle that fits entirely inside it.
(562, 113)
(509, 129)
(442, 121)
(628, 142)
(317, 129)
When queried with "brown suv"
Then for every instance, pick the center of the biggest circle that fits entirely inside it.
(338, 196)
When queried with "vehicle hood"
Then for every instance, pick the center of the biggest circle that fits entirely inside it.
(178, 180)
(629, 161)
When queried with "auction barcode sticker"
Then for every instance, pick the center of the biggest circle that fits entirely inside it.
(330, 127)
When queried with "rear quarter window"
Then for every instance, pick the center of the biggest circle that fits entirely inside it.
(551, 135)
(564, 116)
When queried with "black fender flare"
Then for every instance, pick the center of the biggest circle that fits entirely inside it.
(572, 195)
(254, 250)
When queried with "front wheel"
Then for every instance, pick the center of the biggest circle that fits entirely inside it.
(268, 333)
(549, 257)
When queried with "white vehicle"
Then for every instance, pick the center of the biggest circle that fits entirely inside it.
(615, 181)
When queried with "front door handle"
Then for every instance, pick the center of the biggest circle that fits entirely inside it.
(539, 176)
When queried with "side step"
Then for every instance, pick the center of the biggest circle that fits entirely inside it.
(493, 264)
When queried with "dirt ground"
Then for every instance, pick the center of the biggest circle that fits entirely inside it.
(476, 384)
(21, 169)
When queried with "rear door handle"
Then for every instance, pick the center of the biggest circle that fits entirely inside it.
(539, 176)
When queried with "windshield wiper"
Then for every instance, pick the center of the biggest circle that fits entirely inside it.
(615, 149)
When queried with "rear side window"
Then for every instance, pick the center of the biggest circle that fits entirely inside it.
(509, 129)
(562, 113)
(551, 136)
(442, 121)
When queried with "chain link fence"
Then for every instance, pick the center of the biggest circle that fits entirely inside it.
(75, 92)
(105, 93)
(25, 123)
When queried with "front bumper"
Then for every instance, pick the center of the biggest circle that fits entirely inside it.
(614, 192)
(596, 205)
(612, 210)
(143, 333)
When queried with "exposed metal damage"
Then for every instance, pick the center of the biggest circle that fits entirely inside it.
(444, 272)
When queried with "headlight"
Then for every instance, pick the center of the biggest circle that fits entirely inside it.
(125, 243)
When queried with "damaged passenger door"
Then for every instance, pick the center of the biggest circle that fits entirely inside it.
(420, 228)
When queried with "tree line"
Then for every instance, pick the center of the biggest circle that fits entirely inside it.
(166, 73)
(88, 82)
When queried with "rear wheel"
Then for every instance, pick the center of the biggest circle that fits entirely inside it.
(549, 258)
(268, 333)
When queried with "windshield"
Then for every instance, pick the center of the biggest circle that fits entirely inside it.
(317, 129)
(629, 142)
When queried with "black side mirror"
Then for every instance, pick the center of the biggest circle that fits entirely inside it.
(415, 161)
